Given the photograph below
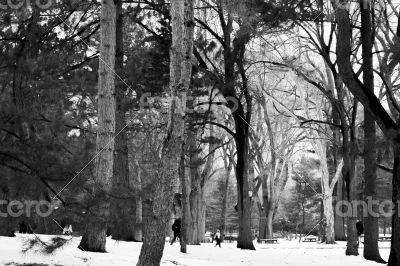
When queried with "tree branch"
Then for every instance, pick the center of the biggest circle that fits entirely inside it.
(218, 125)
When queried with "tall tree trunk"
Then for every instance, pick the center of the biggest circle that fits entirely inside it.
(327, 187)
(7, 223)
(350, 177)
(269, 233)
(122, 210)
(185, 205)
(336, 84)
(343, 49)
(340, 234)
(194, 189)
(245, 239)
(262, 226)
(371, 227)
(267, 215)
(268, 181)
(194, 202)
(329, 220)
(394, 257)
(197, 209)
(242, 120)
(198, 179)
(322, 227)
(180, 76)
(303, 216)
(94, 238)
(228, 168)
(201, 230)
(138, 204)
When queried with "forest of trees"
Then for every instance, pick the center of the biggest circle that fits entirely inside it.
(252, 117)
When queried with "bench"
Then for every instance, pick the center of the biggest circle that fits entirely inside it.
(230, 237)
(269, 241)
(310, 239)
(384, 238)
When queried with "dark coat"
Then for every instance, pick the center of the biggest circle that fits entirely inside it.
(176, 227)
(360, 228)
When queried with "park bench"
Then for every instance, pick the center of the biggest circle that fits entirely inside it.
(310, 239)
(230, 237)
(269, 241)
(384, 238)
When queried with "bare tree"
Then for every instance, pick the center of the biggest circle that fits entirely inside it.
(370, 102)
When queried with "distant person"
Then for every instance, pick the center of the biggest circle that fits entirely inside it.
(176, 228)
(217, 238)
(23, 227)
(108, 233)
(67, 230)
(360, 230)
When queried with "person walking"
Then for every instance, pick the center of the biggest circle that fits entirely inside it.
(360, 230)
(217, 238)
(176, 228)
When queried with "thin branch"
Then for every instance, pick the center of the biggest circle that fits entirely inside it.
(218, 125)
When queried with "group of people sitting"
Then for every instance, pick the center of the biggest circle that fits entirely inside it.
(176, 228)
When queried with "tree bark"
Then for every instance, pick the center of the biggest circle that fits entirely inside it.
(197, 216)
(195, 202)
(198, 179)
(269, 224)
(322, 227)
(245, 239)
(350, 177)
(394, 257)
(180, 77)
(94, 238)
(228, 168)
(268, 183)
(7, 224)
(371, 226)
(194, 190)
(327, 187)
(329, 220)
(201, 218)
(138, 204)
(122, 210)
(185, 205)
(340, 234)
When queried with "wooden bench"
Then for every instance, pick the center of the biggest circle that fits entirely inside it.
(269, 241)
(310, 239)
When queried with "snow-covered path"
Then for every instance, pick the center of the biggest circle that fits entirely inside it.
(123, 253)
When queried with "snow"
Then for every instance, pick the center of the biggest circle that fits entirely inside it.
(124, 253)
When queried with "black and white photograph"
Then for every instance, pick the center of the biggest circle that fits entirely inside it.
(199, 132)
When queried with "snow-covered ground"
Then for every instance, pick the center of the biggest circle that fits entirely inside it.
(123, 253)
